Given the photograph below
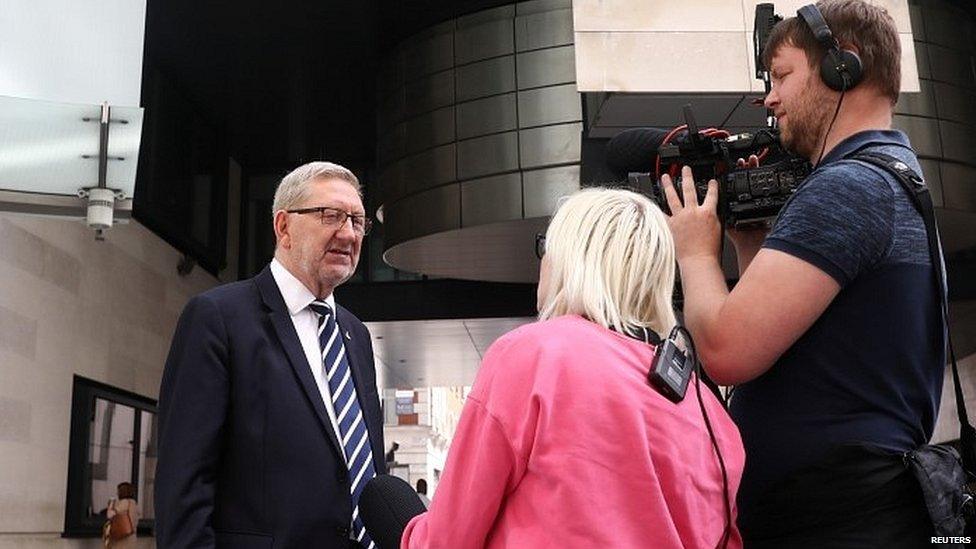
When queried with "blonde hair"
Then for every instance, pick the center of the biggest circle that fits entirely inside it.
(293, 188)
(611, 260)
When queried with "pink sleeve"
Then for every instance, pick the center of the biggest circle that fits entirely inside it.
(481, 468)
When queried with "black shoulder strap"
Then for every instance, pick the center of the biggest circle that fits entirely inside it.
(918, 192)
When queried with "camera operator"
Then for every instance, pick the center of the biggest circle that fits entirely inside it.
(833, 335)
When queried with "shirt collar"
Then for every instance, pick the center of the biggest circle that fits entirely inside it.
(863, 138)
(297, 297)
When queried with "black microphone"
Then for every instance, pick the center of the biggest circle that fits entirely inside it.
(386, 506)
(634, 150)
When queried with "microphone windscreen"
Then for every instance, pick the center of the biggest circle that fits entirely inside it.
(634, 150)
(386, 505)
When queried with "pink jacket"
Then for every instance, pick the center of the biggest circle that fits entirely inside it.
(563, 443)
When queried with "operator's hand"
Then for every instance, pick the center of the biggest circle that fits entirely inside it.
(752, 162)
(696, 228)
(749, 240)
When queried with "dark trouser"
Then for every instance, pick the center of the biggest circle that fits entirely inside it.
(856, 497)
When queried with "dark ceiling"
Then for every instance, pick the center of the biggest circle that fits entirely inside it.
(289, 81)
(286, 81)
(292, 80)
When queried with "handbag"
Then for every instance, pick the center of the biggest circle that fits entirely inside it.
(120, 526)
(947, 477)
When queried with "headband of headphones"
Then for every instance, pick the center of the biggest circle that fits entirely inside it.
(815, 20)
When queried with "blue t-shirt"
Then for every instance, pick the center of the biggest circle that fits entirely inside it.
(870, 369)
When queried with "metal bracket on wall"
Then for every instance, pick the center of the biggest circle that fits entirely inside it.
(185, 266)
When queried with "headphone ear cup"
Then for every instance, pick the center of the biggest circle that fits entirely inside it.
(853, 64)
(834, 78)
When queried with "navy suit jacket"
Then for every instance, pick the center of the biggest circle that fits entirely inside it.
(248, 457)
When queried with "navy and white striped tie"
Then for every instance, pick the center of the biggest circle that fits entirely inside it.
(349, 415)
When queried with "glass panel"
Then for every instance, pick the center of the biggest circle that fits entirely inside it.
(379, 270)
(147, 464)
(110, 453)
(80, 52)
(406, 275)
(260, 237)
(42, 146)
(182, 181)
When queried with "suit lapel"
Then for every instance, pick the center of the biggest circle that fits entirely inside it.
(358, 363)
(285, 331)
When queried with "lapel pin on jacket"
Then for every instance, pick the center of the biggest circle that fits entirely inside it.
(348, 337)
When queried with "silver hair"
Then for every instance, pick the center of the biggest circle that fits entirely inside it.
(293, 188)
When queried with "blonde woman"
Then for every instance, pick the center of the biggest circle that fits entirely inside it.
(563, 442)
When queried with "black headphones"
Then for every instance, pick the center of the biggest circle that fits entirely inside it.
(839, 69)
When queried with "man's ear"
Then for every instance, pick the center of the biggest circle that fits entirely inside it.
(851, 47)
(282, 229)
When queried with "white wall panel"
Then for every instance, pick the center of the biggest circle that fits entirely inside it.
(688, 46)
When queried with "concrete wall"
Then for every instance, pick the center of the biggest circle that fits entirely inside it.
(692, 46)
(941, 119)
(478, 135)
(70, 305)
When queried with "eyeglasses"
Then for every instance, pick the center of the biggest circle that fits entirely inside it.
(334, 217)
(540, 245)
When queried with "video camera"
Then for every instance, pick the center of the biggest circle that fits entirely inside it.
(748, 195)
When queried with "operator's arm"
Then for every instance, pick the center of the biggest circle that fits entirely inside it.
(834, 230)
(740, 334)
(747, 243)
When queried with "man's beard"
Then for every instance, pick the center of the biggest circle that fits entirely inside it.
(807, 121)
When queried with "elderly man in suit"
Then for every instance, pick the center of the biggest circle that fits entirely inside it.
(270, 424)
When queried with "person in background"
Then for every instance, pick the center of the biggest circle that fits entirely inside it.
(563, 442)
(391, 455)
(422, 492)
(126, 503)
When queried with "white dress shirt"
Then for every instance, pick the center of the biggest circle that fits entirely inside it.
(297, 298)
